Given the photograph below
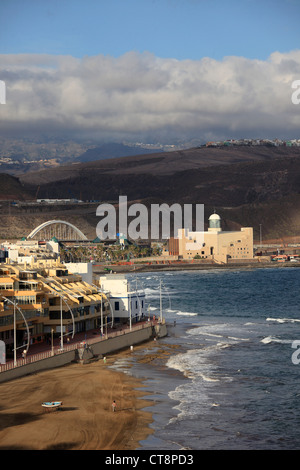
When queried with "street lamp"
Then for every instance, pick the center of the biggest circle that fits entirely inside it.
(61, 318)
(129, 311)
(101, 316)
(101, 291)
(260, 235)
(160, 302)
(15, 328)
(52, 341)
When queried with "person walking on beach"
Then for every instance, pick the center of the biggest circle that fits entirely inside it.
(114, 406)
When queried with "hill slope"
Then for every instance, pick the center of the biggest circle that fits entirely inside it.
(220, 177)
(246, 185)
(162, 163)
(12, 189)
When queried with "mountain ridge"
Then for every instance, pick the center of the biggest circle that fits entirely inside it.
(247, 186)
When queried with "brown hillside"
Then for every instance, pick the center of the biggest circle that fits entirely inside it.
(223, 185)
(165, 163)
(246, 185)
(12, 189)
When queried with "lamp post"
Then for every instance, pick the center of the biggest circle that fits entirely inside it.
(260, 236)
(15, 336)
(61, 318)
(160, 302)
(52, 341)
(101, 291)
(15, 328)
(130, 312)
(101, 315)
(61, 326)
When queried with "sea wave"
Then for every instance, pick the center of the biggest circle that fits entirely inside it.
(187, 314)
(203, 332)
(284, 320)
(196, 363)
(273, 339)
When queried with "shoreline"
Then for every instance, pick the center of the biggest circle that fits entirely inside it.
(85, 420)
(150, 365)
(143, 268)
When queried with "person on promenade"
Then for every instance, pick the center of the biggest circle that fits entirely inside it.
(114, 406)
(24, 355)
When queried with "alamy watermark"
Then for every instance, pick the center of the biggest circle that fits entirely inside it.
(139, 222)
(295, 358)
(296, 94)
(2, 92)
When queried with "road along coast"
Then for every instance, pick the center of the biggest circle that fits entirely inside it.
(181, 266)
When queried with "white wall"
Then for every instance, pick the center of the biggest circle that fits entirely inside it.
(120, 295)
(85, 270)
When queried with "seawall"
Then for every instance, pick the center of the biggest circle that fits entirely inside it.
(87, 352)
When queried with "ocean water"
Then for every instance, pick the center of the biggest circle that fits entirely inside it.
(227, 379)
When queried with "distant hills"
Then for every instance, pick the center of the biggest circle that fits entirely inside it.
(158, 165)
(113, 150)
(246, 185)
(12, 189)
(22, 156)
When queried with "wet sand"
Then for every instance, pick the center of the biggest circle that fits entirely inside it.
(85, 421)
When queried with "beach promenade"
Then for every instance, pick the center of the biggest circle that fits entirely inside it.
(82, 348)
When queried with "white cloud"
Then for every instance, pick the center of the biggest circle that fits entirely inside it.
(142, 96)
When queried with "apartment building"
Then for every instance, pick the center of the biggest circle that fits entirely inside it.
(126, 299)
(45, 297)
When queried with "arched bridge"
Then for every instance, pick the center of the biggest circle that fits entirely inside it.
(59, 229)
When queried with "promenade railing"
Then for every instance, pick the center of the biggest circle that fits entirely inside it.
(73, 346)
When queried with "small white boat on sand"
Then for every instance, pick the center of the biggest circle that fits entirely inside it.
(51, 405)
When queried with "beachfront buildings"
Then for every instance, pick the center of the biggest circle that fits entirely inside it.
(126, 299)
(45, 298)
(214, 244)
(22, 251)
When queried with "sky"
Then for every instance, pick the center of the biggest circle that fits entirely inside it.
(150, 70)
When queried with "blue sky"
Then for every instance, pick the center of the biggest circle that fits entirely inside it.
(182, 29)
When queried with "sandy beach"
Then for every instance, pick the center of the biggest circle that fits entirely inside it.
(85, 421)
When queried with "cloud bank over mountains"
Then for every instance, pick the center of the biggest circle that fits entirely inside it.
(142, 97)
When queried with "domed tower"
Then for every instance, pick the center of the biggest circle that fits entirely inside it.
(214, 223)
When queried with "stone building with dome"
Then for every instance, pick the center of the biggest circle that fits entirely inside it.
(214, 243)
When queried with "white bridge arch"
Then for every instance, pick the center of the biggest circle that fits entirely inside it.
(55, 229)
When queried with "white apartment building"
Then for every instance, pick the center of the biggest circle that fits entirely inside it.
(125, 298)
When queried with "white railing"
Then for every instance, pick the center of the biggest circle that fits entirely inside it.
(70, 347)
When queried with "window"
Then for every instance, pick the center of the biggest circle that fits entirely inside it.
(26, 299)
(6, 286)
(117, 305)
